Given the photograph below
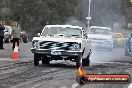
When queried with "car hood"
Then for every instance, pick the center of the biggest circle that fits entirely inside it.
(99, 36)
(58, 39)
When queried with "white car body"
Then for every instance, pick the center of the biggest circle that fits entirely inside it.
(71, 46)
(7, 33)
(8, 29)
(101, 40)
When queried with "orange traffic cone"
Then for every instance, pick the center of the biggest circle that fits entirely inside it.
(15, 54)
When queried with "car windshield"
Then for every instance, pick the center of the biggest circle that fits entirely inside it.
(60, 31)
(100, 31)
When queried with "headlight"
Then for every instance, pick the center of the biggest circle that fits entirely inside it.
(35, 44)
(76, 47)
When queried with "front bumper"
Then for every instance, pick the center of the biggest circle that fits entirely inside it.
(101, 45)
(63, 53)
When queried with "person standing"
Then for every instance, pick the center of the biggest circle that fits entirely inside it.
(131, 35)
(2, 28)
(130, 43)
(16, 34)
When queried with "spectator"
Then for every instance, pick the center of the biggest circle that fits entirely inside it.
(131, 35)
(129, 44)
(16, 34)
(2, 28)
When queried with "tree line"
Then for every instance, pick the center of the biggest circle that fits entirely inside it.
(34, 14)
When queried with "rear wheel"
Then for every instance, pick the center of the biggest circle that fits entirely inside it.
(86, 62)
(36, 60)
(78, 61)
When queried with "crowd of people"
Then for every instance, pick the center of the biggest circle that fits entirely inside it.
(15, 33)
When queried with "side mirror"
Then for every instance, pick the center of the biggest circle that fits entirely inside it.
(85, 35)
(38, 34)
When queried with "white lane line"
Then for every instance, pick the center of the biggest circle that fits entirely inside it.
(130, 86)
(75, 85)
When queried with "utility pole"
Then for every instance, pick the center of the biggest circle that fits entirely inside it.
(89, 18)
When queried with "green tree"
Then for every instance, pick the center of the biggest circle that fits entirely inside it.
(33, 14)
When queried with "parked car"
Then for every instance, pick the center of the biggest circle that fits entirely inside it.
(118, 40)
(7, 34)
(9, 38)
(128, 46)
(101, 37)
(58, 42)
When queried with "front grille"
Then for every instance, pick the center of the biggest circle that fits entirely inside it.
(56, 45)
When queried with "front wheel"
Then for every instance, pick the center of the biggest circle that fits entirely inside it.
(36, 60)
(78, 61)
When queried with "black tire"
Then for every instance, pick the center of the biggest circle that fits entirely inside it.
(86, 62)
(78, 61)
(36, 60)
(45, 60)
